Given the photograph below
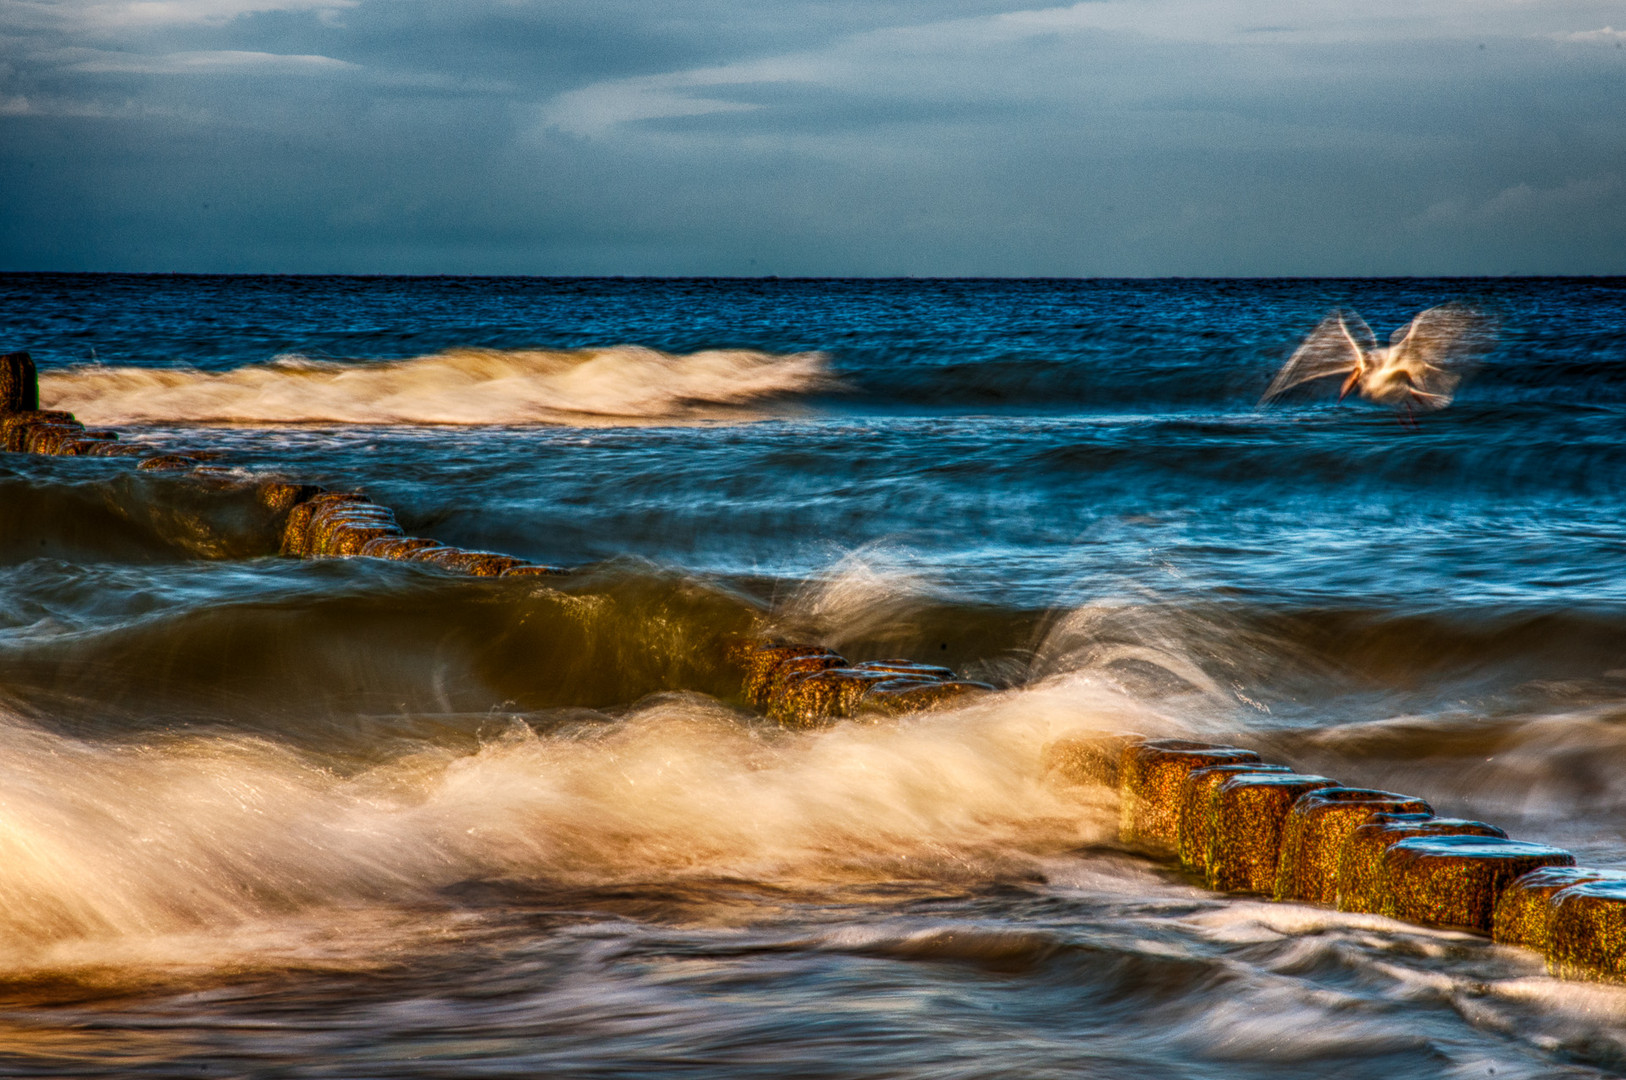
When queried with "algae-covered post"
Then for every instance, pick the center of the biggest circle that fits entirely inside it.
(1456, 880)
(1362, 885)
(1150, 776)
(1196, 827)
(1317, 827)
(1586, 932)
(807, 686)
(1087, 757)
(1248, 815)
(1525, 909)
(19, 383)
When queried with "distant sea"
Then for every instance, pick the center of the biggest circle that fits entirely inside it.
(350, 818)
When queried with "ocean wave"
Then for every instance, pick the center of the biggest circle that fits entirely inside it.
(620, 628)
(157, 838)
(581, 387)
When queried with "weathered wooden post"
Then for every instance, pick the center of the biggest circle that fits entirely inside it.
(19, 383)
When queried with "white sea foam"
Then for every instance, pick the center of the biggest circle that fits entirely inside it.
(1147, 651)
(583, 387)
(115, 849)
(874, 593)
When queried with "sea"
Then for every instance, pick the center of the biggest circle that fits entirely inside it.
(351, 818)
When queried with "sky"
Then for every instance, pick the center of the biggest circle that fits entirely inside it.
(814, 137)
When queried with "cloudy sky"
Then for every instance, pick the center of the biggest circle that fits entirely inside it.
(814, 137)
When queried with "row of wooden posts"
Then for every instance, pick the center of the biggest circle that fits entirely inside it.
(1242, 824)
(1248, 826)
(800, 686)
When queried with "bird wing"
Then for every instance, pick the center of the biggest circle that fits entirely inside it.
(1438, 346)
(1359, 333)
(1334, 347)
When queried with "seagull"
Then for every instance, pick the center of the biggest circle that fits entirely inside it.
(1419, 368)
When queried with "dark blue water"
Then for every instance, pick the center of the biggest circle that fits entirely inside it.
(1027, 345)
(430, 825)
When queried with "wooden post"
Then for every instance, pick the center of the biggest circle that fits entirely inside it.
(19, 383)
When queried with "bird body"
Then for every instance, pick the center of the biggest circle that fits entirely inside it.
(1420, 368)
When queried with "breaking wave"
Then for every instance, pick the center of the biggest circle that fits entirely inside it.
(579, 387)
(109, 841)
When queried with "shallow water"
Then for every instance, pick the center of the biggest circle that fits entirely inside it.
(344, 817)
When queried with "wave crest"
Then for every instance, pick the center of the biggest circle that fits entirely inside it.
(109, 849)
(577, 387)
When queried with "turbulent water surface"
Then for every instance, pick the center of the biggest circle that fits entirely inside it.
(270, 817)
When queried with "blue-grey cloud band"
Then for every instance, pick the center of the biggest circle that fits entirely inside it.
(970, 138)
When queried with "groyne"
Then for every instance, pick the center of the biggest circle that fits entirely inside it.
(799, 686)
(1231, 819)
(311, 521)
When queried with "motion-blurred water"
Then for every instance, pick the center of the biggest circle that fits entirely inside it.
(264, 817)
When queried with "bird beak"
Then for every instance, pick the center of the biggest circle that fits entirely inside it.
(1349, 384)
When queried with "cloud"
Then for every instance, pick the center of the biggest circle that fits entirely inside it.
(211, 62)
(597, 109)
(810, 136)
(889, 58)
(1038, 55)
(48, 105)
(1522, 202)
(1608, 35)
(146, 14)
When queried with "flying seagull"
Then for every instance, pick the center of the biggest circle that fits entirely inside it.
(1419, 368)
